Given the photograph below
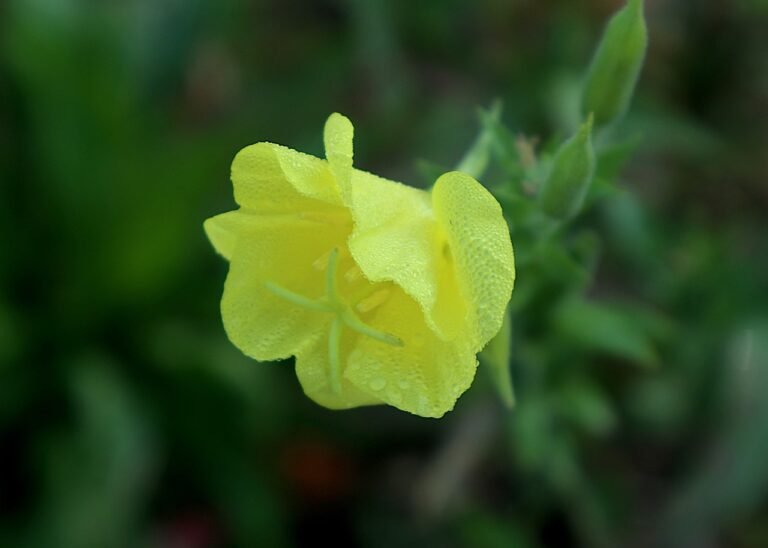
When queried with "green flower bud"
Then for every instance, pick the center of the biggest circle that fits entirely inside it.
(566, 186)
(616, 65)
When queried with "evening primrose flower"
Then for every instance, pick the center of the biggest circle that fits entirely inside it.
(384, 293)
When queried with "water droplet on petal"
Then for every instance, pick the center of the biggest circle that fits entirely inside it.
(378, 384)
(423, 405)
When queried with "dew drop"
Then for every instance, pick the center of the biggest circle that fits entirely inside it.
(403, 384)
(378, 384)
(423, 405)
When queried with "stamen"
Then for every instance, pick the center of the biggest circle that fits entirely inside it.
(321, 263)
(353, 274)
(330, 275)
(297, 299)
(344, 315)
(334, 355)
(373, 301)
(321, 218)
(354, 323)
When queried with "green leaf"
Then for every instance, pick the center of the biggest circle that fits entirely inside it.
(729, 480)
(606, 328)
(97, 478)
(584, 403)
(496, 357)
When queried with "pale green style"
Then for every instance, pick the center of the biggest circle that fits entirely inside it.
(384, 293)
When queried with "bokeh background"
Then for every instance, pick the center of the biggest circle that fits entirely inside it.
(128, 419)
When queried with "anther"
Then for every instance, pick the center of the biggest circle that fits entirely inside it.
(353, 274)
(318, 217)
(373, 301)
(330, 275)
(321, 263)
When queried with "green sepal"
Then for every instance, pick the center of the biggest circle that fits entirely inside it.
(573, 167)
(496, 357)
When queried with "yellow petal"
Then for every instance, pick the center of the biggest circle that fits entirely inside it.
(222, 230)
(480, 248)
(313, 371)
(273, 178)
(396, 239)
(425, 376)
(337, 137)
(279, 250)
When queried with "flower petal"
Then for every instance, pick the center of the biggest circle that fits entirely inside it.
(279, 250)
(425, 376)
(273, 178)
(480, 247)
(337, 137)
(396, 239)
(313, 371)
(222, 230)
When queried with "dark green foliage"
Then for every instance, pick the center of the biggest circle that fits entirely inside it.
(638, 340)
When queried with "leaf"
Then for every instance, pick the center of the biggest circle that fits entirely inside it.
(496, 357)
(585, 403)
(97, 478)
(605, 328)
(729, 481)
(612, 157)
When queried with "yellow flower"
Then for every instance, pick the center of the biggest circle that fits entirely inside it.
(383, 292)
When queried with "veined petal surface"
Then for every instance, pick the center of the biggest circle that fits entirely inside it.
(279, 250)
(273, 178)
(480, 247)
(312, 369)
(424, 376)
(396, 238)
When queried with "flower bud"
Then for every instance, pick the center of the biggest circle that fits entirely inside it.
(566, 186)
(616, 65)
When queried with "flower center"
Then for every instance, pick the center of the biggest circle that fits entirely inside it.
(345, 315)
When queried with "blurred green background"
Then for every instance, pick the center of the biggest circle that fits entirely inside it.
(128, 419)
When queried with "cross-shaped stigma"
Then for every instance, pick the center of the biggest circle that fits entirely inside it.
(344, 316)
